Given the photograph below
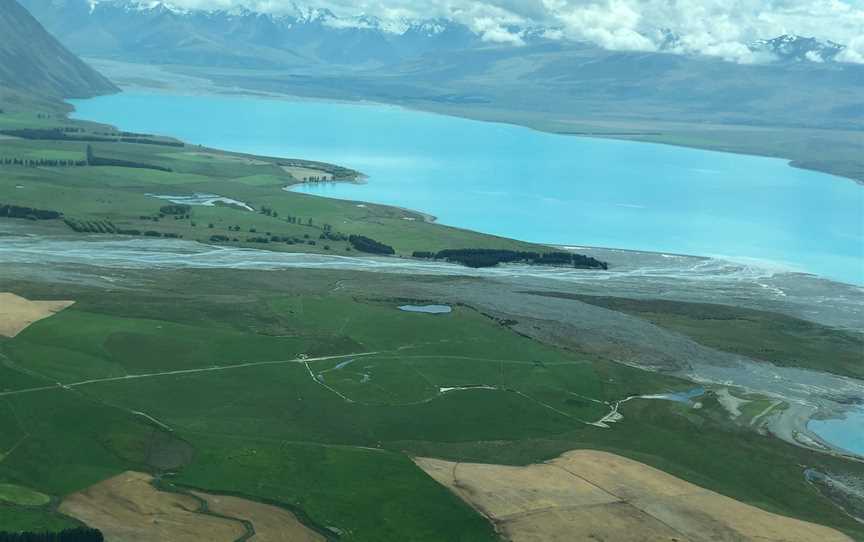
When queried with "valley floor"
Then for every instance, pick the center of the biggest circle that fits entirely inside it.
(282, 372)
(306, 387)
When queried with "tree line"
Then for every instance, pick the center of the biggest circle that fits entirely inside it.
(78, 534)
(50, 134)
(178, 209)
(268, 238)
(18, 211)
(62, 134)
(41, 162)
(106, 226)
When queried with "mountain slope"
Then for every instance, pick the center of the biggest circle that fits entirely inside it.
(156, 33)
(799, 49)
(32, 61)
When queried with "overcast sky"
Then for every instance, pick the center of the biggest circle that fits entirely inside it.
(718, 27)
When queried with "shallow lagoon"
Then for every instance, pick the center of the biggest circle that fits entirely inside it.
(530, 185)
(846, 432)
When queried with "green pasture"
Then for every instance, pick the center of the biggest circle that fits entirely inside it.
(328, 437)
(15, 494)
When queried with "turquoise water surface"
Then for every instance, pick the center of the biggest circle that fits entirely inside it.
(846, 432)
(520, 183)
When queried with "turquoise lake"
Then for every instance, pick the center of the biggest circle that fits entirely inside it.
(517, 182)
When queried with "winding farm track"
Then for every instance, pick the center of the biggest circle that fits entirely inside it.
(300, 360)
(71, 385)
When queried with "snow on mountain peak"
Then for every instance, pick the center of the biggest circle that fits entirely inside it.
(792, 47)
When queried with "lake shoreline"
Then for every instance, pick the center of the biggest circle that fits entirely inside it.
(463, 162)
(208, 87)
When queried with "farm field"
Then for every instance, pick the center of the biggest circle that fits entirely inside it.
(281, 387)
(16, 313)
(588, 495)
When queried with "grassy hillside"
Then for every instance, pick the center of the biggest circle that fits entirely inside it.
(33, 62)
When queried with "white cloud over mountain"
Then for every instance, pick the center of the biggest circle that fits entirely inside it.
(716, 27)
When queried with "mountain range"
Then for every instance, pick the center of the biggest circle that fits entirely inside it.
(158, 33)
(34, 62)
(154, 31)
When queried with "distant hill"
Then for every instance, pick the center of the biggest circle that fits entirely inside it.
(33, 62)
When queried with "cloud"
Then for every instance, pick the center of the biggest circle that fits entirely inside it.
(854, 52)
(613, 25)
(720, 28)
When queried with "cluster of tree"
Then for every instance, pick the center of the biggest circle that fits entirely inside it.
(144, 139)
(42, 162)
(175, 210)
(152, 233)
(333, 236)
(286, 239)
(17, 211)
(106, 226)
(78, 534)
(485, 257)
(337, 172)
(365, 244)
(269, 212)
(296, 220)
(580, 261)
(268, 238)
(94, 160)
(91, 226)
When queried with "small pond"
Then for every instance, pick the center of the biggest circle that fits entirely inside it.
(428, 309)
